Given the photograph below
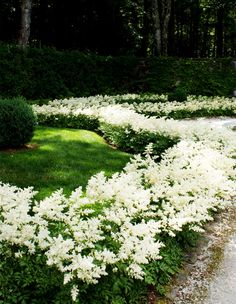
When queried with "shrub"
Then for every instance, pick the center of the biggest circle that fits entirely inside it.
(79, 121)
(17, 122)
(178, 95)
(126, 139)
(49, 73)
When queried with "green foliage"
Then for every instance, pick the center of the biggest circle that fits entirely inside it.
(159, 273)
(125, 138)
(115, 288)
(178, 94)
(17, 122)
(27, 279)
(80, 121)
(208, 77)
(48, 73)
(180, 114)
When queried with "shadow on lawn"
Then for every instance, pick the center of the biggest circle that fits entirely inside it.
(60, 163)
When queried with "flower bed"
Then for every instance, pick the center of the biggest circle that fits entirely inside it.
(154, 105)
(131, 227)
(126, 128)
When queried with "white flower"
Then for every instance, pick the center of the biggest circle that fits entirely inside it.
(74, 293)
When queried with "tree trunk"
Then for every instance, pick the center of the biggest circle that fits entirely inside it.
(166, 11)
(219, 32)
(145, 28)
(156, 28)
(173, 32)
(194, 30)
(25, 22)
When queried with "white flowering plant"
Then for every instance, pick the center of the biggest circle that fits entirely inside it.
(149, 104)
(120, 224)
(125, 231)
(129, 130)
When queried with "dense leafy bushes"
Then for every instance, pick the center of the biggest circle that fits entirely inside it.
(80, 121)
(48, 73)
(129, 140)
(29, 280)
(178, 95)
(17, 122)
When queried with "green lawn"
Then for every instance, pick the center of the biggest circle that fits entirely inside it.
(64, 158)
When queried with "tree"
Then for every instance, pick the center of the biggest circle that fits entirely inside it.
(184, 28)
(24, 35)
(161, 11)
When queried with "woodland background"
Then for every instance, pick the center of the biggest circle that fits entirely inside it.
(54, 49)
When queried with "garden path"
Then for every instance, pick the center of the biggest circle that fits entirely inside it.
(222, 289)
(216, 121)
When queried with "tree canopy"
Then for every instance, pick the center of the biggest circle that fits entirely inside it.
(183, 28)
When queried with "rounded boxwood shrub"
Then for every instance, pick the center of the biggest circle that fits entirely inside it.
(17, 122)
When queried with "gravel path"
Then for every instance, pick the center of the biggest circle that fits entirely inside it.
(229, 122)
(209, 276)
(222, 289)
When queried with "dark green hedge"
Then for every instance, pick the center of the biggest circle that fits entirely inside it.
(48, 73)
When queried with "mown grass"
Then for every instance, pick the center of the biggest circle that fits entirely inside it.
(60, 158)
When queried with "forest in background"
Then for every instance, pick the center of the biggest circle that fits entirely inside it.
(181, 28)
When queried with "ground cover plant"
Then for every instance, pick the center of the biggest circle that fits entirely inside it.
(59, 158)
(123, 232)
(148, 104)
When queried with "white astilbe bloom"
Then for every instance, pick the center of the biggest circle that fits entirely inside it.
(74, 292)
(125, 188)
(135, 271)
(16, 225)
(193, 103)
(52, 207)
(108, 110)
(138, 242)
(121, 220)
(149, 104)
(190, 180)
(59, 251)
(85, 268)
(106, 256)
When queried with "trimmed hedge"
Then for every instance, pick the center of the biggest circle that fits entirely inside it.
(17, 122)
(49, 73)
(80, 121)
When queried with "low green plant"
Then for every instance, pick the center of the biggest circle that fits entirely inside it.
(80, 121)
(179, 94)
(126, 139)
(17, 122)
(27, 279)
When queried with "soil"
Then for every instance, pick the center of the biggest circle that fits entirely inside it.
(22, 148)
